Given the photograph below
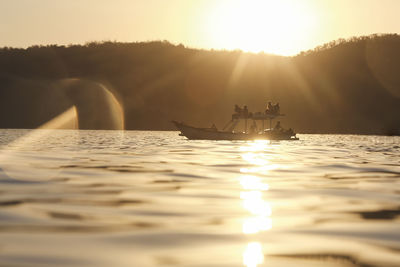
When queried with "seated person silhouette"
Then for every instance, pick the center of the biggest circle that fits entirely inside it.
(278, 126)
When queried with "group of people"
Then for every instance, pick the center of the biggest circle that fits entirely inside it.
(273, 109)
(243, 113)
(277, 129)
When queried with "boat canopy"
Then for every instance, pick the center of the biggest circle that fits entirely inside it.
(264, 116)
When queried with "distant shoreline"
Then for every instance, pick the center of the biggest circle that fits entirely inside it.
(345, 86)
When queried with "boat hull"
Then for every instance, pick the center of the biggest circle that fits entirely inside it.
(194, 133)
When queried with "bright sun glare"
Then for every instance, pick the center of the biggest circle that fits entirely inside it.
(273, 26)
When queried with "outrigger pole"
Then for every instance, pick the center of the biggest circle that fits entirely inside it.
(226, 125)
(232, 124)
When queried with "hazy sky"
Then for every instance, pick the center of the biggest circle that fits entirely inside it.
(274, 26)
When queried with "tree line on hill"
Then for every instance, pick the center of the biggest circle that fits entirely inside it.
(345, 86)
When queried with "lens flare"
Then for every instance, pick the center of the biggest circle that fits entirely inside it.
(14, 158)
(94, 106)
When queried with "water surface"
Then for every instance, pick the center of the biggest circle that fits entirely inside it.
(113, 198)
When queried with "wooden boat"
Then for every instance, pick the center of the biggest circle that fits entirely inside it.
(195, 133)
(212, 133)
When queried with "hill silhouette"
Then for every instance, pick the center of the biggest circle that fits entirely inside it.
(346, 86)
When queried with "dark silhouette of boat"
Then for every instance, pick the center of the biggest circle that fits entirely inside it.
(212, 133)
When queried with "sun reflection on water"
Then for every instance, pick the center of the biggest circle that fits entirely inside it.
(254, 159)
(257, 145)
(251, 182)
(256, 224)
(260, 209)
(254, 203)
(255, 153)
(253, 255)
(253, 191)
(261, 169)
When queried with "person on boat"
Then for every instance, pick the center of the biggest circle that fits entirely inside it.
(245, 112)
(269, 108)
(278, 126)
(213, 127)
(290, 132)
(238, 112)
(253, 128)
(237, 109)
(277, 109)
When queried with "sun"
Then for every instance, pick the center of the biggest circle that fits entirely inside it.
(274, 26)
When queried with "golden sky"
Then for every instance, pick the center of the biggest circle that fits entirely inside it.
(283, 27)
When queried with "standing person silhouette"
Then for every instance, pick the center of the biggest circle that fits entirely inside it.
(277, 109)
(245, 112)
(269, 108)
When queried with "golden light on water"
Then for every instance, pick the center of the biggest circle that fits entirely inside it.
(253, 255)
(253, 193)
(261, 25)
(254, 203)
(256, 225)
(250, 152)
(250, 182)
(262, 164)
(255, 146)
(259, 209)
(253, 159)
